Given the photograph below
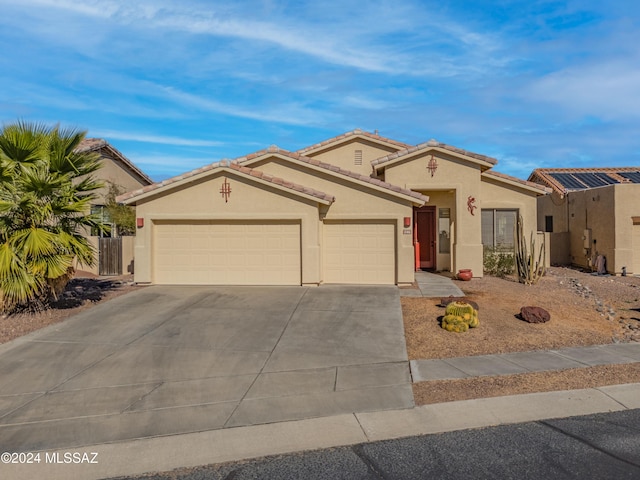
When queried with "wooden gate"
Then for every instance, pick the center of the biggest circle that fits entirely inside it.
(110, 256)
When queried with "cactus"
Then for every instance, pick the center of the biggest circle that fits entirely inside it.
(530, 269)
(454, 323)
(459, 317)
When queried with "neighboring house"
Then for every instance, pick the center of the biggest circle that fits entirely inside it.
(357, 208)
(592, 212)
(115, 253)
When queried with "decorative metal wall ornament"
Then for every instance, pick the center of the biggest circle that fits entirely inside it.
(470, 204)
(432, 166)
(225, 190)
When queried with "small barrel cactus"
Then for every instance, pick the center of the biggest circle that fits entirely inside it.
(459, 317)
(454, 323)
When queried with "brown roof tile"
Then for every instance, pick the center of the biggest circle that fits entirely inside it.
(526, 183)
(226, 164)
(431, 144)
(352, 134)
(338, 170)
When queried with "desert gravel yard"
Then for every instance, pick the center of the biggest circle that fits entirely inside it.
(585, 310)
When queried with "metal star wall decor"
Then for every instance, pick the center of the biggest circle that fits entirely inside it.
(225, 190)
(432, 166)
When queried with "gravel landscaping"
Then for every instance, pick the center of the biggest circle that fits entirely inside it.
(585, 310)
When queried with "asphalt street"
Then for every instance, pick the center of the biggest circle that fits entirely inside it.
(599, 446)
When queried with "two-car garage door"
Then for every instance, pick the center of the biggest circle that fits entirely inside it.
(226, 253)
(269, 253)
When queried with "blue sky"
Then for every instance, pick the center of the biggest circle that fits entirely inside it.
(176, 85)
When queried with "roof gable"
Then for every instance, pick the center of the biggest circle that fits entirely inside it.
(330, 169)
(257, 176)
(433, 145)
(349, 137)
(98, 144)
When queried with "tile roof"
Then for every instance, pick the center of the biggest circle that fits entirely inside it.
(526, 183)
(227, 164)
(96, 144)
(428, 145)
(353, 133)
(333, 168)
(548, 177)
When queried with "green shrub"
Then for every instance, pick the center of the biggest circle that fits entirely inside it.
(498, 262)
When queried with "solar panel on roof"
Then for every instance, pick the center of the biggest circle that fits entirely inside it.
(606, 178)
(590, 179)
(633, 176)
(568, 181)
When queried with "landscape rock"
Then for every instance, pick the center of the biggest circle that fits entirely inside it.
(534, 315)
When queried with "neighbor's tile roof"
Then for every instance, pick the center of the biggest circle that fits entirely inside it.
(333, 168)
(426, 146)
(545, 176)
(348, 135)
(227, 164)
(96, 144)
(526, 183)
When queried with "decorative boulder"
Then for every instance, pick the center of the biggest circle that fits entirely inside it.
(534, 315)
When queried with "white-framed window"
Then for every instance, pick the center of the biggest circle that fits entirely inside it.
(498, 228)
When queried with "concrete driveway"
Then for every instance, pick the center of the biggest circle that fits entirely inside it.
(170, 360)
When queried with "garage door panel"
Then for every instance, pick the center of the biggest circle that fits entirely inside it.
(359, 253)
(217, 253)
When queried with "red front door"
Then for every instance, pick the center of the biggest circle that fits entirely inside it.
(426, 236)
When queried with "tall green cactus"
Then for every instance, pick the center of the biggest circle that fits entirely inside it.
(530, 269)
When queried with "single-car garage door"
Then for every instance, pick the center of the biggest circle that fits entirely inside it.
(226, 253)
(359, 252)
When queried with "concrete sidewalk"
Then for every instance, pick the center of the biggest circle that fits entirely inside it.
(432, 285)
(524, 362)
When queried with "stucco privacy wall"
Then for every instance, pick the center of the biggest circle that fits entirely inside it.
(201, 200)
(353, 201)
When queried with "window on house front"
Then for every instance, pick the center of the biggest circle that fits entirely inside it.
(548, 223)
(444, 230)
(103, 215)
(498, 228)
(357, 159)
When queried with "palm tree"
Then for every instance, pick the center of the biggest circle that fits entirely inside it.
(46, 187)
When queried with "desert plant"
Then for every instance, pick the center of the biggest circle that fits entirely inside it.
(530, 269)
(459, 317)
(46, 188)
(123, 216)
(498, 262)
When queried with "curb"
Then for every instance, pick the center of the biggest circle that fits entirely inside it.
(242, 443)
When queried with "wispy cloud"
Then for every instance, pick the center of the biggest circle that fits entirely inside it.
(163, 140)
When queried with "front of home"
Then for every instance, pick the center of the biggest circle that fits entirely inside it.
(355, 209)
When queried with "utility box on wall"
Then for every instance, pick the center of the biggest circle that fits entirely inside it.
(587, 238)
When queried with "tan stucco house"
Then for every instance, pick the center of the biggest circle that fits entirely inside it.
(592, 212)
(114, 256)
(357, 208)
